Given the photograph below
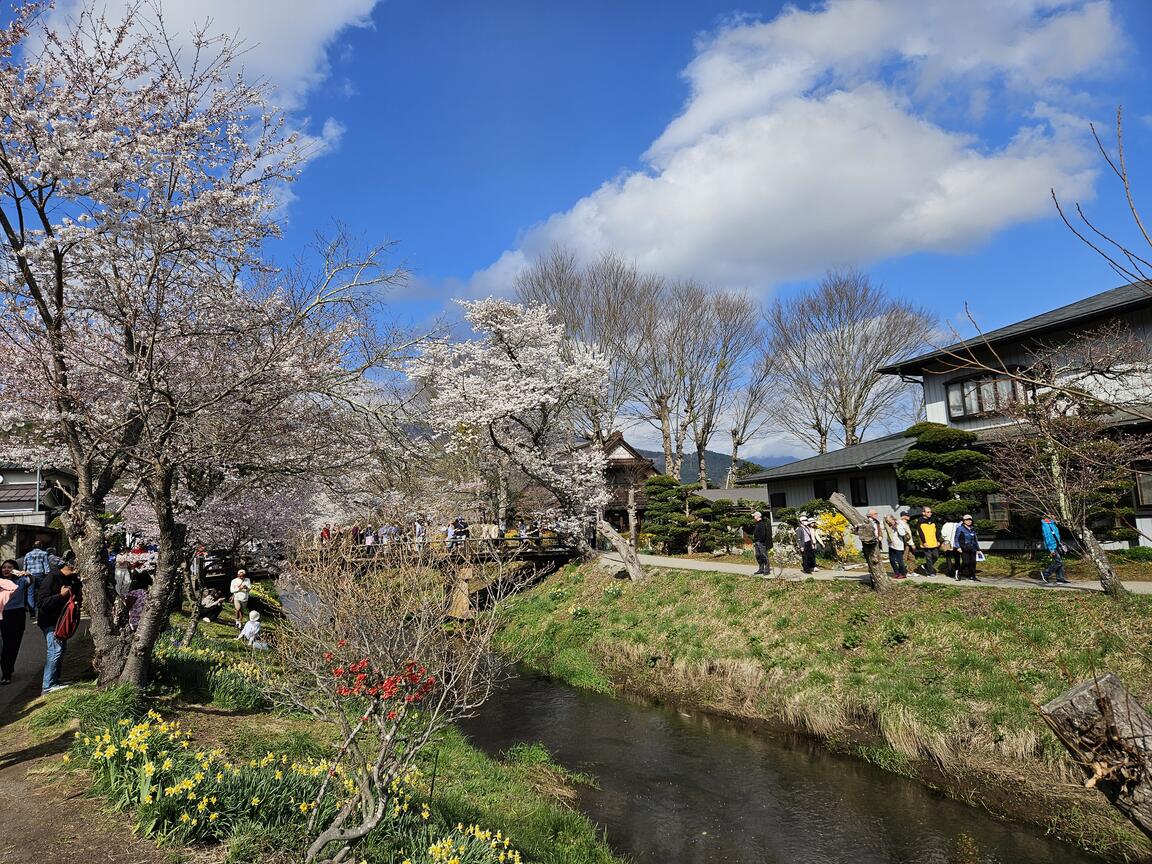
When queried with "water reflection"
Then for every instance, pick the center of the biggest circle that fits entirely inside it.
(679, 789)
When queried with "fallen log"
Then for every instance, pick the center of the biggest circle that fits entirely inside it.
(1110, 736)
(869, 542)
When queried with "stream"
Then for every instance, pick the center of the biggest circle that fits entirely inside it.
(675, 788)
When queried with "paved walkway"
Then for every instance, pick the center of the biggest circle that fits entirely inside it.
(860, 574)
(29, 672)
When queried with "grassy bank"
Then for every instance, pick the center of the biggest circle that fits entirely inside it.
(931, 681)
(248, 757)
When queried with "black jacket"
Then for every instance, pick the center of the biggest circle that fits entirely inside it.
(762, 533)
(49, 602)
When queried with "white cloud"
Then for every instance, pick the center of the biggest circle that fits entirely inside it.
(809, 141)
(287, 41)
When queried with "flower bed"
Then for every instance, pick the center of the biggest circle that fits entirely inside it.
(184, 794)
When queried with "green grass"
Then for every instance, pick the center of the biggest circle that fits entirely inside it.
(524, 794)
(516, 793)
(936, 672)
(90, 706)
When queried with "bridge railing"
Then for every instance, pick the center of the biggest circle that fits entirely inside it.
(467, 548)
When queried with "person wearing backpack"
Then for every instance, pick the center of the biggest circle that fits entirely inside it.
(57, 611)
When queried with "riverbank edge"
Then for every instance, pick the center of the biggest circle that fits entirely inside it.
(475, 785)
(1027, 792)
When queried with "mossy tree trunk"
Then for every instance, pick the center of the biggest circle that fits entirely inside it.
(880, 579)
(1109, 734)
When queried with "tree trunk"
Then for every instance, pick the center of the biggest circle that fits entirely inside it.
(1096, 554)
(627, 553)
(157, 604)
(681, 436)
(730, 480)
(1110, 736)
(850, 437)
(194, 588)
(86, 536)
(881, 581)
(702, 469)
(633, 519)
(670, 467)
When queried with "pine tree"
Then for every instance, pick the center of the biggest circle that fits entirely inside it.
(664, 518)
(944, 472)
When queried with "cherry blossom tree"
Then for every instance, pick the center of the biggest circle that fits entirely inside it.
(518, 392)
(143, 341)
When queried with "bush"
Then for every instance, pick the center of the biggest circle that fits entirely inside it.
(183, 794)
(471, 845)
(1139, 554)
(94, 709)
(238, 685)
(206, 674)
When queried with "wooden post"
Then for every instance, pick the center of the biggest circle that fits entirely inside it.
(869, 542)
(1110, 736)
(461, 604)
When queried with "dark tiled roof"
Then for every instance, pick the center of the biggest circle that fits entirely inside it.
(20, 493)
(888, 450)
(1107, 303)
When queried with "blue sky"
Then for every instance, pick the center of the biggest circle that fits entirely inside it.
(467, 124)
(751, 146)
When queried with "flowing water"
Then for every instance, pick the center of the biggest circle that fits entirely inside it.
(680, 789)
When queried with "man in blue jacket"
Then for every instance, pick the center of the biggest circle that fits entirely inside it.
(1055, 568)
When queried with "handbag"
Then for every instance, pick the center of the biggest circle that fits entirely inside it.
(67, 622)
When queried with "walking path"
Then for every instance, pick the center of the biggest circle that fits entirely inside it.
(861, 574)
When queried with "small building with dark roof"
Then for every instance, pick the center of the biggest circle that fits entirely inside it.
(864, 473)
(30, 501)
(625, 471)
(959, 390)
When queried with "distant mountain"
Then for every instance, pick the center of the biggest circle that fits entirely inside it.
(717, 464)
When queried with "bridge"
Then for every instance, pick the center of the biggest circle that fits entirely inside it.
(517, 563)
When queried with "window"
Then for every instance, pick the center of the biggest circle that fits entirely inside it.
(998, 512)
(1144, 488)
(824, 487)
(776, 500)
(982, 396)
(859, 491)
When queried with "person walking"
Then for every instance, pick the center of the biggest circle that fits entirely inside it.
(806, 540)
(895, 531)
(56, 589)
(761, 543)
(878, 530)
(12, 620)
(1052, 542)
(948, 549)
(967, 545)
(239, 589)
(909, 533)
(928, 539)
(36, 566)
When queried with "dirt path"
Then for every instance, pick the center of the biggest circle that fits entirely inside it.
(48, 818)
